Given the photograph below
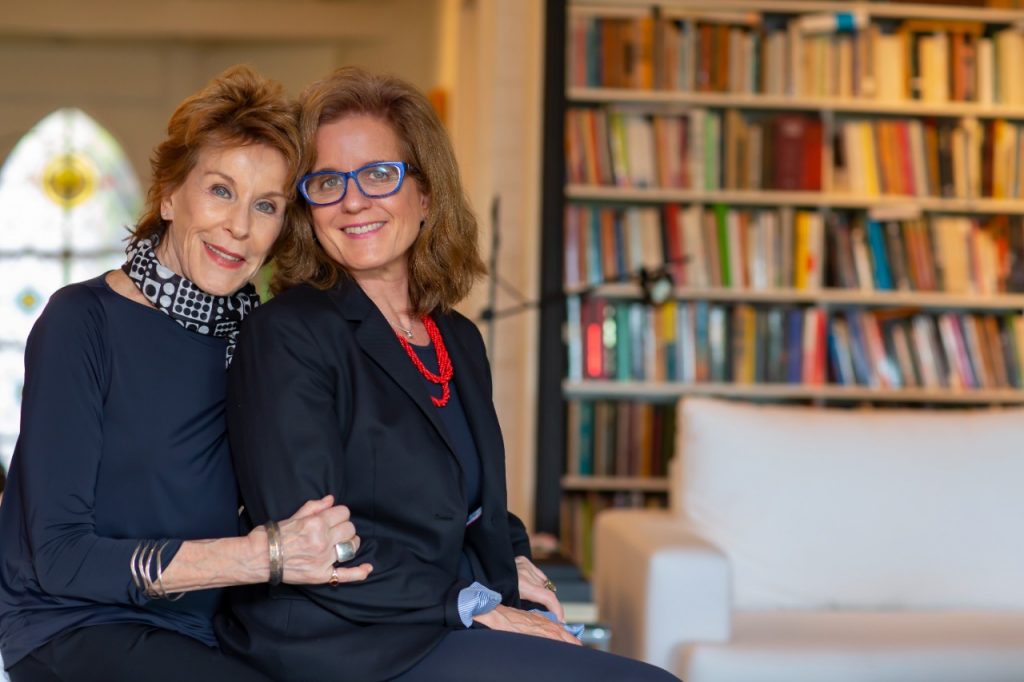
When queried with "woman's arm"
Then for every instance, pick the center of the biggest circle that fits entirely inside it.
(60, 445)
(60, 448)
(307, 543)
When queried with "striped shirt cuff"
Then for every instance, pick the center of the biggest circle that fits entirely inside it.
(476, 600)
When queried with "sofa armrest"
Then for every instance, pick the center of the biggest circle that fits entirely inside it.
(658, 585)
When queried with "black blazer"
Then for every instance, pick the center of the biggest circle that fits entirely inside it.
(323, 399)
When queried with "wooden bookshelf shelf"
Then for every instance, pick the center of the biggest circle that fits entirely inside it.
(890, 10)
(889, 203)
(671, 391)
(824, 297)
(662, 100)
(632, 483)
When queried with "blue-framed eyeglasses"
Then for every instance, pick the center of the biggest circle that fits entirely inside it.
(374, 180)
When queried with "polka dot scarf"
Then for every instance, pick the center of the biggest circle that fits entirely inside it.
(184, 302)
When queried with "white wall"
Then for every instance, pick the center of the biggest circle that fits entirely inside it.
(496, 128)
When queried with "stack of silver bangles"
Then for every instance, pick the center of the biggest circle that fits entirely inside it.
(142, 569)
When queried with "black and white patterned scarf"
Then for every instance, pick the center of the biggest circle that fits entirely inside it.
(184, 302)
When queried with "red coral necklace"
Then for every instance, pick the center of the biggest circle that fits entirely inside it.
(444, 363)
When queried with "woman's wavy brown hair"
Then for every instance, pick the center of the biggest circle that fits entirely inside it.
(444, 261)
(239, 107)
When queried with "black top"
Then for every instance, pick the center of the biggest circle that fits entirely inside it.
(122, 438)
(453, 416)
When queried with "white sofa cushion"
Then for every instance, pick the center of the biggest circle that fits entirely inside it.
(864, 509)
(862, 647)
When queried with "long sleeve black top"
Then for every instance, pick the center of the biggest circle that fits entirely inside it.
(122, 439)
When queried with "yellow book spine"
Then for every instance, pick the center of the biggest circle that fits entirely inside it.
(802, 236)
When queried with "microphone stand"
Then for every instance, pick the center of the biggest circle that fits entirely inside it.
(492, 289)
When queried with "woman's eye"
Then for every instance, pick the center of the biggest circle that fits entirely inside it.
(221, 191)
(329, 181)
(268, 207)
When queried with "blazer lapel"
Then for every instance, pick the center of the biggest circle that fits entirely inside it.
(376, 338)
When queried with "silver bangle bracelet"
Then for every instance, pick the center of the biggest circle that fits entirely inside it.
(141, 566)
(276, 555)
(160, 575)
(133, 567)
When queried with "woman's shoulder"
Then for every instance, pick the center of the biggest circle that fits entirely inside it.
(300, 304)
(78, 301)
(302, 298)
(74, 316)
(462, 325)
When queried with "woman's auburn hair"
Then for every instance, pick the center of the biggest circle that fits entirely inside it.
(444, 261)
(237, 108)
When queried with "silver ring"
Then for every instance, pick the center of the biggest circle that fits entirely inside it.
(344, 551)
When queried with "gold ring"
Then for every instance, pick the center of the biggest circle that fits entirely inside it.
(333, 582)
(548, 585)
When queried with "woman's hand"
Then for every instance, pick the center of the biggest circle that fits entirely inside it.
(532, 583)
(508, 619)
(307, 544)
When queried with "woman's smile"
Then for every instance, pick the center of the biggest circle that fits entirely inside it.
(363, 229)
(223, 257)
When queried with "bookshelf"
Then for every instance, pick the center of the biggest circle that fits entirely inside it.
(836, 190)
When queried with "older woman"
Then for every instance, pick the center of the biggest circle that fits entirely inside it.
(359, 380)
(121, 511)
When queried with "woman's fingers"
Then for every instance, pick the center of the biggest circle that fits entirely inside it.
(550, 629)
(532, 587)
(343, 532)
(350, 574)
(541, 595)
(516, 620)
(337, 514)
(314, 507)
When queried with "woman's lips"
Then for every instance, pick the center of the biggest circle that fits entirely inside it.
(223, 257)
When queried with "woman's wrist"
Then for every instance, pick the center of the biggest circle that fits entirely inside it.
(257, 564)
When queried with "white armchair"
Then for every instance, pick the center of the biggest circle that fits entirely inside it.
(825, 544)
(658, 566)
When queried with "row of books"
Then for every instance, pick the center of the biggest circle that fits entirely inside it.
(619, 438)
(695, 341)
(929, 158)
(707, 149)
(699, 341)
(954, 254)
(949, 350)
(698, 246)
(699, 149)
(576, 521)
(840, 55)
(784, 248)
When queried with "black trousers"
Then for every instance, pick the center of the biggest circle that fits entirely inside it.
(129, 652)
(481, 655)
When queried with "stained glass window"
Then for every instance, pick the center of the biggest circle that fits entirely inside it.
(67, 197)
